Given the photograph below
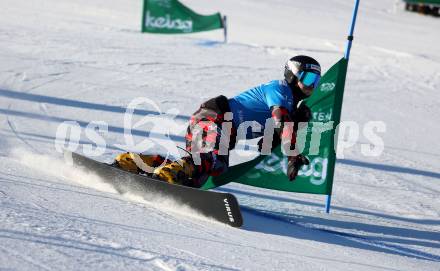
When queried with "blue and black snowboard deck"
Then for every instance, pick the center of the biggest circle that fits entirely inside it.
(222, 207)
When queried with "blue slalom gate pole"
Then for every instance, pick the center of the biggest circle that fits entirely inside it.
(351, 32)
(327, 204)
(346, 56)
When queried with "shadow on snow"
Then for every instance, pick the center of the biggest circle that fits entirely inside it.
(317, 229)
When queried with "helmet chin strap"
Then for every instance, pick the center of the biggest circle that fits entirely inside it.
(297, 92)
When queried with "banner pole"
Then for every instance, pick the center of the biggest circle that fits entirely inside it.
(327, 204)
(346, 56)
(351, 32)
(225, 28)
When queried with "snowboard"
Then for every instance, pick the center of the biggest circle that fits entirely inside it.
(222, 207)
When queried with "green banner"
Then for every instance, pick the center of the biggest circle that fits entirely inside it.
(315, 140)
(172, 17)
(426, 2)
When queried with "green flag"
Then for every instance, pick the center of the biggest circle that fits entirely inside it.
(172, 17)
(315, 140)
(423, 2)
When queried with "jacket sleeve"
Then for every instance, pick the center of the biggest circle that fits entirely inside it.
(284, 126)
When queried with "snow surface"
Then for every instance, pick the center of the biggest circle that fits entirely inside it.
(86, 61)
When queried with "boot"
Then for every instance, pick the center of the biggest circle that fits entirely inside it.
(179, 172)
(138, 163)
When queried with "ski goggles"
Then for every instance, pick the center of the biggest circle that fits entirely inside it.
(309, 79)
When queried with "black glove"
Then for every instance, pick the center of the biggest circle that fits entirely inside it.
(295, 163)
(302, 113)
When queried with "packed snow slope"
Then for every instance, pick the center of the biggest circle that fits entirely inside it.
(86, 61)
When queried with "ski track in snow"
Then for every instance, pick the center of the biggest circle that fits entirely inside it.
(85, 61)
(349, 236)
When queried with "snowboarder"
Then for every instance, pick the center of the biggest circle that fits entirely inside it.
(278, 100)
